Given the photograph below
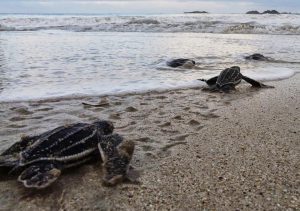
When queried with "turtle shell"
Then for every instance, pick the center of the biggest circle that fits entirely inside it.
(67, 144)
(229, 76)
(257, 56)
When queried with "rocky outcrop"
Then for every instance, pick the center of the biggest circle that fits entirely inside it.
(271, 12)
(265, 12)
(253, 12)
(196, 12)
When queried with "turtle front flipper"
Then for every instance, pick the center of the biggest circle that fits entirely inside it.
(40, 175)
(212, 88)
(116, 155)
(255, 83)
(116, 168)
(211, 81)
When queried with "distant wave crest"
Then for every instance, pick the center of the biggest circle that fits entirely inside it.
(227, 24)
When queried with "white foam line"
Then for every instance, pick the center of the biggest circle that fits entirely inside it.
(187, 85)
(208, 23)
(270, 73)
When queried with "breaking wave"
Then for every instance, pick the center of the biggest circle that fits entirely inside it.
(204, 23)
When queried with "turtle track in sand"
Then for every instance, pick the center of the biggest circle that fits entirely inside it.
(160, 123)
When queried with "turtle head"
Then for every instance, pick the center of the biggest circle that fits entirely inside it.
(116, 164)
(189, 64)
(236, 68)
(106, 127)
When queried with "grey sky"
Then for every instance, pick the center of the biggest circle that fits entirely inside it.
(144, 6)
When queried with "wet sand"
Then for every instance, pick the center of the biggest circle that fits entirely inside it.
(195, 150)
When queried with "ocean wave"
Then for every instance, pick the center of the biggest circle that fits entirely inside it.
(143, 21)
(226, 24)
(6, 28)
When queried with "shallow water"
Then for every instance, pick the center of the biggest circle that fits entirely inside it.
(57, 63)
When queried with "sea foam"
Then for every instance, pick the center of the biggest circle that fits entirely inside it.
(204, 23)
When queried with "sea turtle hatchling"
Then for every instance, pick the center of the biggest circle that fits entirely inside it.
(183, 63)
(258, 57)
(229, 78)
(41, 159)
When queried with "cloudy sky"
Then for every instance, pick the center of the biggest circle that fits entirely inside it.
(144, 6)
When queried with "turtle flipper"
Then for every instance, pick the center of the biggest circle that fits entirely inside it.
(116, 167)
(8, 161)
(212, 88)
(40, 175)
(211, 81)
(116, 155)
(133, 175)
(21, 145)
(255, 83)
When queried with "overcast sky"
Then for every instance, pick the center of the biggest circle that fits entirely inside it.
(144, 6)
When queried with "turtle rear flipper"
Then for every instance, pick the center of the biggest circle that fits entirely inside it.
(21, 145)
(255, 83)
(8, 161)
(40, 175)
(9, 164)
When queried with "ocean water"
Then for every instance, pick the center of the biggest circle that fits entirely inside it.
(50, 56)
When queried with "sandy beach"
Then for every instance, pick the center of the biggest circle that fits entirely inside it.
(194, 150)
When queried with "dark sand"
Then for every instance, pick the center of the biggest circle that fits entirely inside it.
(195, 150)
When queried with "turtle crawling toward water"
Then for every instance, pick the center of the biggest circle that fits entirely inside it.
(40, 159)
(229, 78)
(184, 63)
(258, 57)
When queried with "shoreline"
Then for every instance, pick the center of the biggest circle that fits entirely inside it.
(127, 93)
(195, 150)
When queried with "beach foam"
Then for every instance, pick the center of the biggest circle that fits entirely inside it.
(204, 23)
(270, 73)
